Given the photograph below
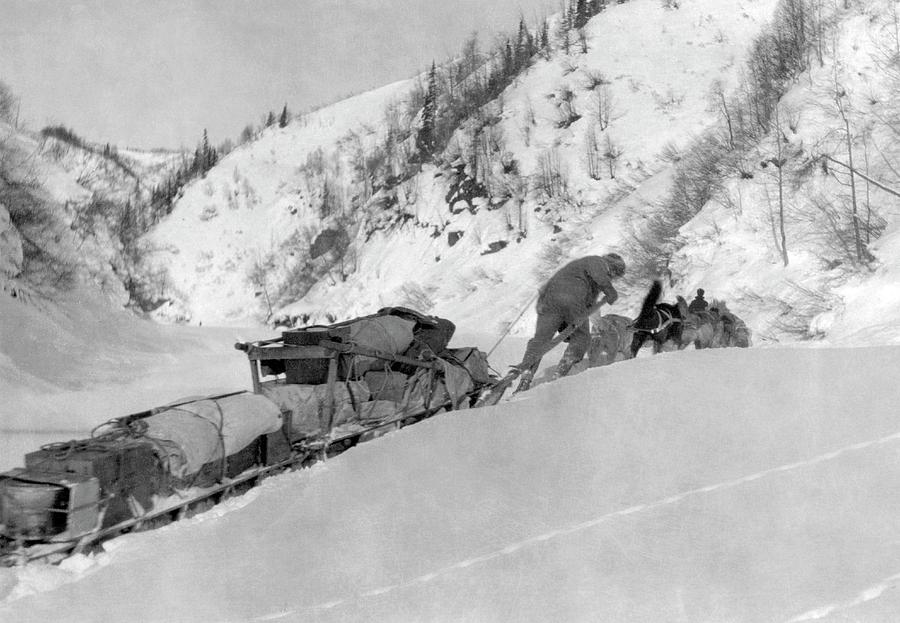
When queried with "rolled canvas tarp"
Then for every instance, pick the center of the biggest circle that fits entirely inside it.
(198, 432)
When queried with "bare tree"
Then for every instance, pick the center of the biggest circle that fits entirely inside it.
(604, 105)
(720, 102)
(817, 8)
(487, 147)
(549, 179)
(779, 162)
(594, 79)
(592, 153)
(528, 122)
(567, 112)
(582, 40)
(612, 154)
(894, 21)
(832, 230)
(842, 105)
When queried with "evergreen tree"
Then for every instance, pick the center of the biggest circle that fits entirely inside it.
(544, 36)
(246, 134)
(283, 119)
(581, 15)
(524, 45)
(196, 164)
(509, 61)
(212, 157)
(205, 156)
(204, 148)
(564, 27)
(425, 140)
(270, 119)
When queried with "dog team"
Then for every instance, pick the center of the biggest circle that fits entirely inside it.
(563, 301)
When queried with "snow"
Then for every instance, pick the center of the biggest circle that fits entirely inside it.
(67, 367)
(751, 485)
(718, 485)
(660, 65)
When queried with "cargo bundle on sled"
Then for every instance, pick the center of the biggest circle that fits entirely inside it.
(316, 392)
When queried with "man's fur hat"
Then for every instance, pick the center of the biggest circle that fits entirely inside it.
(616, 264)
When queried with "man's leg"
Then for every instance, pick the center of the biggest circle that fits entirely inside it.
(545, 329)
(579, 342)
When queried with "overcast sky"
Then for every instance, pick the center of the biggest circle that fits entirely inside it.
(154, 73)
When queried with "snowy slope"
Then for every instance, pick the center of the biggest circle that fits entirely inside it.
(496, 286)
(253, 201)
(730, 248)
(54, 355)
(259, 207)
(727, 485)
(659, 64)
(69, 191)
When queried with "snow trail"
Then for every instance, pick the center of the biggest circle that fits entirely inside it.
(512, 548)
(873, 592)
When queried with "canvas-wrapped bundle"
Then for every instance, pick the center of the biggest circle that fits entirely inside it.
(198, 432)
(424, 391)
(308, 403)
(387, 334)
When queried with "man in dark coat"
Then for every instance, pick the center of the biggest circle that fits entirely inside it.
(699, 303)
(565, 300)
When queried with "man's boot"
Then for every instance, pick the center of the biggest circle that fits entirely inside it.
(565, 364)
(525, 379)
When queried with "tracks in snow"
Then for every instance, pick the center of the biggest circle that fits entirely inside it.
(865, 595)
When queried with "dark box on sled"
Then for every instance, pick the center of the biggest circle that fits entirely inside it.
(313, 371)
(122, 468)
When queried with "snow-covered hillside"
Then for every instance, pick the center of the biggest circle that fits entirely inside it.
(744, 485)
(258, 201)
(296, 226)
(653, 80)
(656, 65)
(61, 200)
(732, 246)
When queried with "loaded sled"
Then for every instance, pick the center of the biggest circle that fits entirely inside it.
(316, 391)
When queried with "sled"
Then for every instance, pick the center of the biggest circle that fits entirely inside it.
(317, 391)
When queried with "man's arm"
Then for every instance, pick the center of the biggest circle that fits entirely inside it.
(609, 291)
(599, 274)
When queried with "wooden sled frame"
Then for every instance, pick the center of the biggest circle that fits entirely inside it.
(276, 350)
(303, 452)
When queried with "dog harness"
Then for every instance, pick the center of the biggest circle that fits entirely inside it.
(664, 320)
